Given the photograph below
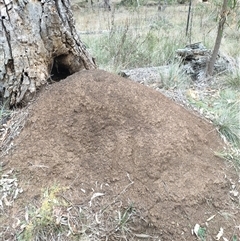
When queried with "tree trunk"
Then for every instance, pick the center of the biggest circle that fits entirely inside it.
(38, 42)
(222, 20)
(107, 5)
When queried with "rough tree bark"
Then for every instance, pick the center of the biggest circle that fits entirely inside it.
(38, 41)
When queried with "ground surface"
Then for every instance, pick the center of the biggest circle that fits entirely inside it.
(98, 132)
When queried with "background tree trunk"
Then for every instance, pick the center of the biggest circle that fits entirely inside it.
(222, 20)
(107, 5)
(38, 42)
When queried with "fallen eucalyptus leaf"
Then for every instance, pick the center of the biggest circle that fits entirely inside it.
(7, 203)
(196, 229)
(97, 194)
(234, 193)
(142, 235)
(220, 234)
(212, 217)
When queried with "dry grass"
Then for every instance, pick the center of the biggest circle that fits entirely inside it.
(167, 29)
(10, 128)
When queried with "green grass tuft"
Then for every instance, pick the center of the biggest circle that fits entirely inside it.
(231, 154)
(40, 222)
(233, 79)
(223, 109)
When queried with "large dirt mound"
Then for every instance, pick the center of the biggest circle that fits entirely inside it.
(95, 127)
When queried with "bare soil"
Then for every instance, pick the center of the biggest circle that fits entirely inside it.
(97, 129)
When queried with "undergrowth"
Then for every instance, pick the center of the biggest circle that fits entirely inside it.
(137, 41)
(126, 48)
(223, 109)
(57, 218)
(40, 223)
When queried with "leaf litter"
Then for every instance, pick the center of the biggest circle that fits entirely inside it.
(9, 189)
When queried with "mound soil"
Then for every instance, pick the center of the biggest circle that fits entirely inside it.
(97, 129)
